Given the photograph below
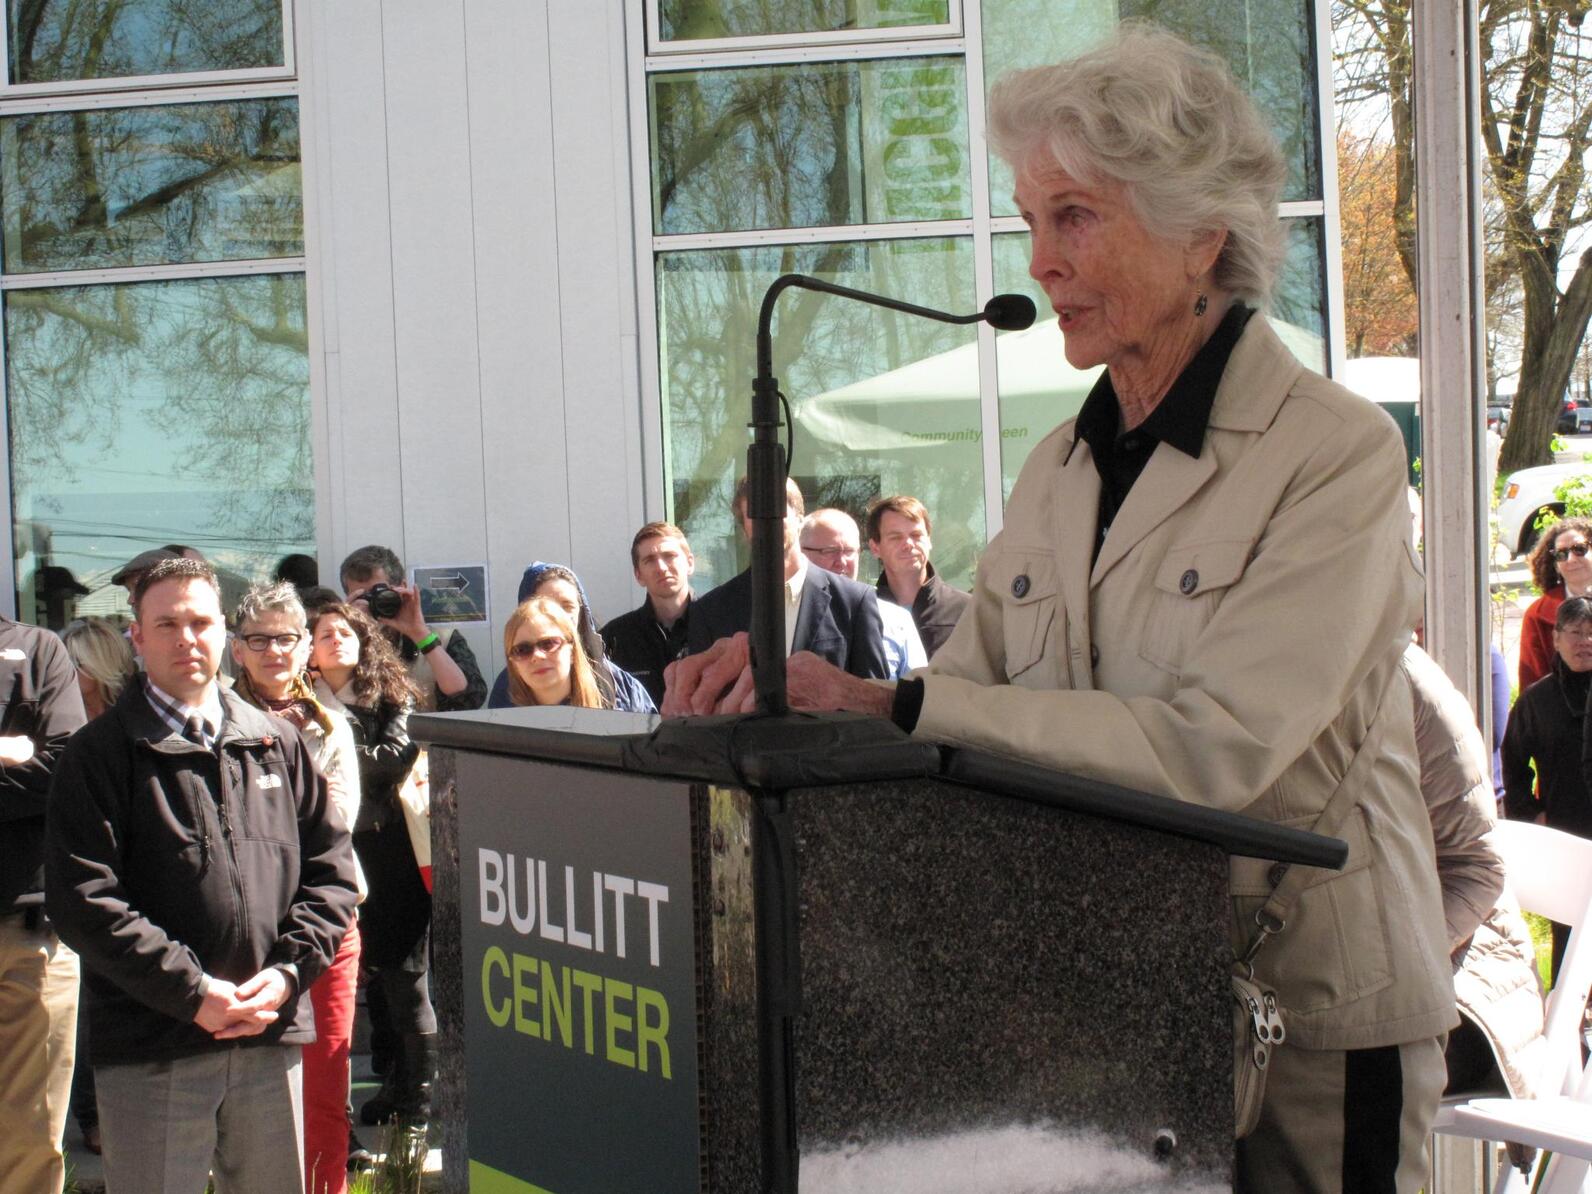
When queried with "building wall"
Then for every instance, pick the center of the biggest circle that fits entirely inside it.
(472, 284)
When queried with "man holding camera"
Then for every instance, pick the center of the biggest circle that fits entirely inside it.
(441, 664)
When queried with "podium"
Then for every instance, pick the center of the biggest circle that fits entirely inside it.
(725, 955)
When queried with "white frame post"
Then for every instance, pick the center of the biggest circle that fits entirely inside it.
(1452, 316)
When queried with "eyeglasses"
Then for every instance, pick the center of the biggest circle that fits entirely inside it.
(259, 642)
(542, 646)
(1581, 634)
(830, 553)
(1578, 550)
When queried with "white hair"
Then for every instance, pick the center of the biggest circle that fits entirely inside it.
(1169, 123)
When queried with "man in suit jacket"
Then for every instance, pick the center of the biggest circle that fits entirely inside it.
(834, 618)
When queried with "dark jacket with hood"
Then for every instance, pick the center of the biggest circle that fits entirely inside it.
(167, 862)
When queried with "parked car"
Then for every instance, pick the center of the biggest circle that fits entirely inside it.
(1498, 411)
(1529, 496)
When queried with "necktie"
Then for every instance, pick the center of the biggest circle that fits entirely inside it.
(195, 730)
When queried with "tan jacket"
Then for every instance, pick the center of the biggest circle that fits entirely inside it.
(1231, 646)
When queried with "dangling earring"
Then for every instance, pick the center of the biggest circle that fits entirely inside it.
(1199, 305)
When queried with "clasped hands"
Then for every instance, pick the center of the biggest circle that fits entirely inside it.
(243, 1009)
(719, 680)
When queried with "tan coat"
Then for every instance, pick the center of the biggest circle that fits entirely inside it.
(1248, 609)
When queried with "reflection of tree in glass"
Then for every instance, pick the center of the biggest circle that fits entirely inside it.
(202, 384)
(683, 20)
(53, 40)
(708, 302)
(141, 186)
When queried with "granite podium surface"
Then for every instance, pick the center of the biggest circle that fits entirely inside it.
(744, 954)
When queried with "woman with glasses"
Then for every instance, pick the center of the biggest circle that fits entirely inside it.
(548, 664)
(1560, 568)
(359, 673)
(616, 688)
(271, 647)
(1545, 729)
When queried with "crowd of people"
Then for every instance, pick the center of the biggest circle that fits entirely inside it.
(206, 848)
(1206, 588)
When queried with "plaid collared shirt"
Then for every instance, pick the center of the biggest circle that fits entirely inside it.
(177, 715)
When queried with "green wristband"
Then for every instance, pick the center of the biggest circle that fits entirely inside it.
(431, 640)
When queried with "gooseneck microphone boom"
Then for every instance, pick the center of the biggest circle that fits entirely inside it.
(766, 469)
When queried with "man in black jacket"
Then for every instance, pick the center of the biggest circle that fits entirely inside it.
(898, 535)
(651, 637)
(834, 618)
(197, 864)
(40, 707)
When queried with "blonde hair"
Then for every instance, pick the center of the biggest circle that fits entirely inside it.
(100, 652)
(1168, 122)
(583, 690)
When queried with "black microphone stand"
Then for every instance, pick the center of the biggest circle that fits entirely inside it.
(773, 833)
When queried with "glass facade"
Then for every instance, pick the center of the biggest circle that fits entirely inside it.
(55, 41)
(856, 142)
(151, 185)
(157, 391)
(691, 20)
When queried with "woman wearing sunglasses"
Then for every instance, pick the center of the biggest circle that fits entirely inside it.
(616, 688)
(1560, 568)
(359, 674)
(548, 664)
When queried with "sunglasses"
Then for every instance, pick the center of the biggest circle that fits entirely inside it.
(542, 646)
(259, 642)
(1578, 550)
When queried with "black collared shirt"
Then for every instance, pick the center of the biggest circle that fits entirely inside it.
(1179, 419)
(641, 645)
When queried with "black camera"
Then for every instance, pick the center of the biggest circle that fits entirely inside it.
(384, 600)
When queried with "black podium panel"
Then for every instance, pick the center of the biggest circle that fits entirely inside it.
(975, 975)
(983, 982)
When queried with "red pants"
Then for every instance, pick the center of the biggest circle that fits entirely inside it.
(326, 1072)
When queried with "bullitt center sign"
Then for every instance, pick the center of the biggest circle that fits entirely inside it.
(579, 983)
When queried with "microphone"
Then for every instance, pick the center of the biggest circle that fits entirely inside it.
(1009, 312)
(766, 467)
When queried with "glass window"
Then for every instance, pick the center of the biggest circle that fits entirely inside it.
(152, 413)
(689, 20)
(815, 145)
(1038, 388)
(1299, 300)
(52, 41)
(146, 186)
(883, 403)
(1267, 44)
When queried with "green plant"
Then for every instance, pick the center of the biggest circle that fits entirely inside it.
(1576, 494)
(403, 1164)
(1542, 938)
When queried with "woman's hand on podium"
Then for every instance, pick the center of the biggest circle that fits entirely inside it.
(719, 680)
(710, 681)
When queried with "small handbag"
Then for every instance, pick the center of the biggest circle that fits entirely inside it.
(1257, 1014)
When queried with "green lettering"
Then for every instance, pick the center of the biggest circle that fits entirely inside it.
(555, 1010)
(524, 995)
(614, 1023)
(655, 1033)
(588, 984)
(494, 958)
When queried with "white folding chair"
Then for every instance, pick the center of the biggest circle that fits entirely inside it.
(1550, 873)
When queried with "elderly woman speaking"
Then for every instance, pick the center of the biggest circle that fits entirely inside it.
(1203, 588)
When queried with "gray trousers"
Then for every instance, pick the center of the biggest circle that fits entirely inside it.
(239, 1112)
